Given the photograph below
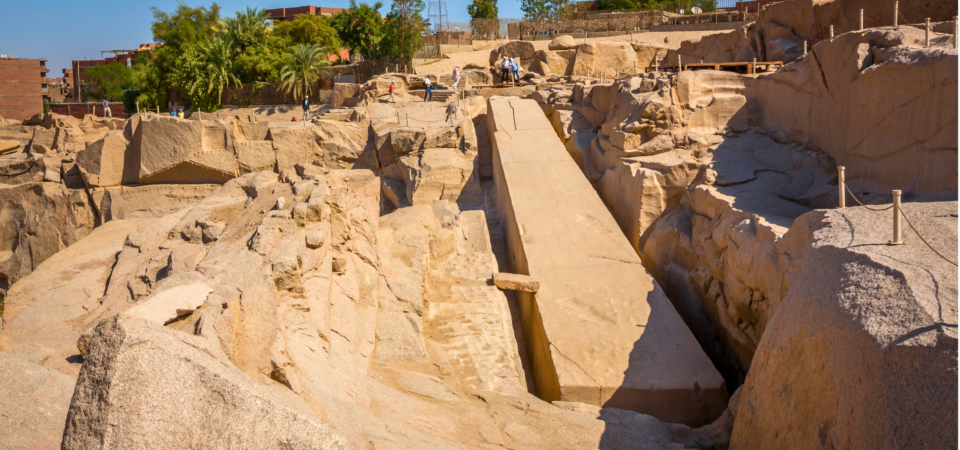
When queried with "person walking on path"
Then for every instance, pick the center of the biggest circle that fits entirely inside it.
(393, 97)
(456, 77)
(428, 92)
(106, 108)
(516, 70)
(306, 107)
(505, 70)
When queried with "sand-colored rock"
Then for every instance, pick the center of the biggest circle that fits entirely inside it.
(713, 100)
(33, 404)
(554, 224)
(906, 139)
(604, 57)
(555, 62)
(102, 163)
(135, 202)
(185, 151)
(855, 310)
(159, 382)
(7, 146)
(331, 144)
(564, 42)
(516, 282)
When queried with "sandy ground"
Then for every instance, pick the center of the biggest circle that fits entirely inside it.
(482, 57)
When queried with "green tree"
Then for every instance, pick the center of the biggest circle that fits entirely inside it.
(150, 81)
(309, 29)
(204, 71)
(361, 29)
(543, 10)
(108, 80)
(617, 5)
(483, 9)
(302, 69)
(404, 30)
(185, 25)
(246, 29)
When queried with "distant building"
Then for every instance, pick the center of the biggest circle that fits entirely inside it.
(54, 90)
(282, 14)
(285, 14)
(21, 87)
(77, 82)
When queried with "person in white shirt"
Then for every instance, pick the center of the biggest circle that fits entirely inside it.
(106, 108)
(428, 92)
(456, 77)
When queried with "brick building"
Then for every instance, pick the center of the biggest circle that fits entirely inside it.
(54, 90)
(21, 87)
(77, 83)
(284, 14)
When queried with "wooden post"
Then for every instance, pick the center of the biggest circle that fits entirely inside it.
(753, 68)
(896, 219)
(804, 48)
(926, 39)
(861, 19)
(843, 186)
(896, 12)
(635, 64)
(656, 64)
(138, 107)
(955, 31)
(831, 32)
(679, 63)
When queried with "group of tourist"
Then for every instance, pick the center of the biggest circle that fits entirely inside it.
(509, 70)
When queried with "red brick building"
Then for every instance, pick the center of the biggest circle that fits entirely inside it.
(21, 87)
(284, 14)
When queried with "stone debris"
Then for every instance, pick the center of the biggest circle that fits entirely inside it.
(516, 282)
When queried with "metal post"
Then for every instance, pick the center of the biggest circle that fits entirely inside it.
(926, 39)
(896, 12)
(843, 186)
(896, 219)
(861, 19)
(831, 32)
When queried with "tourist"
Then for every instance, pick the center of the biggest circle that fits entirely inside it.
(180, 114)
(516, 70)
(393, 97)
(428, 93)
(456, 77)
(173, 112)
(505, 70)
(294, 119)
(106, 108)
(306, 108)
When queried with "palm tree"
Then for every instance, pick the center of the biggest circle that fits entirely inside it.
(245, 27)
(302, 69)
(219, 67)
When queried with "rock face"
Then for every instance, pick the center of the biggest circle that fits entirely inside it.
(564, 42)
(38, 220)
(902, 82)
(558, 231)
(102, 163)
(865, 332)
(33, 400)
(604, 57)
(162, 381)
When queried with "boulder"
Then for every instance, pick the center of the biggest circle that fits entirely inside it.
(647, 54)
(604, 57)
(45, 140)
(101, 163)
(331, 144)
(7, 146)
(342, 92)
(513, 49)
(863, 348)
(144, 385)
(185, 151)
(33, 404)
(150, 201)
(562, 43)
(555, 62)
(439, 174)
(516, 282)
(22, 169)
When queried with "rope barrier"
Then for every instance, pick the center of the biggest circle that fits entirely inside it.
(861, 203)
(922, 239)
(904, 215)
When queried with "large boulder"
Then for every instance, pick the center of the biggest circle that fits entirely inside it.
(863, 348)
(562, 43)
(186, 151)
(555, 62)
(102, 163)
(155, 200)
(605, 57)
(342, 92)
(33, 404)
(514, 49)
(331, 144)
(147, 386)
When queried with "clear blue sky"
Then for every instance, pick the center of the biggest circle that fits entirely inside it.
(62, 31)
